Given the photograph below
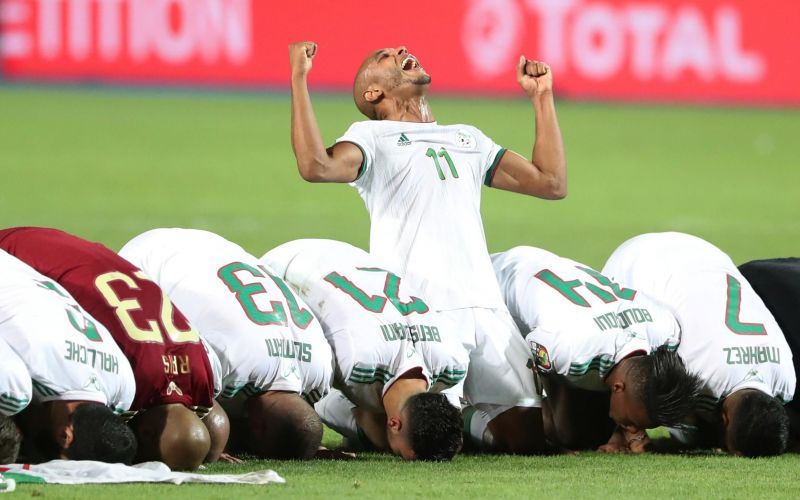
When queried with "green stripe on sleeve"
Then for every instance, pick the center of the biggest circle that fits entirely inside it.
(493, 167)
(363, 167)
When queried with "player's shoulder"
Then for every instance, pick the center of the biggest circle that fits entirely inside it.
(523, 254)
(317, 250)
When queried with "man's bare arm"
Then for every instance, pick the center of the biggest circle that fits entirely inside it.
(339, 163)
(545, 176)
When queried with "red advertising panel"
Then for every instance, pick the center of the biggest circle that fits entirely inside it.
(674, 50)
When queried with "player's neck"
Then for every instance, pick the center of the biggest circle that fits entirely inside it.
(395, 398)
(415, 109)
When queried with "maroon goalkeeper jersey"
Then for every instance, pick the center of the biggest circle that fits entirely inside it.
(169, 362)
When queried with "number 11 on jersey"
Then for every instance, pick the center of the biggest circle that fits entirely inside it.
(431, 153)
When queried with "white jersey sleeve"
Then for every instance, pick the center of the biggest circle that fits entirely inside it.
(68, 354)
(363, 310)
(15, 382)
(264, 336)
(361, 134)
(421, 183)
(336, 411)
(580, 323)
(729, 337)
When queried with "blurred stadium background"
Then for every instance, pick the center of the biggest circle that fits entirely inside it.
(117, 116)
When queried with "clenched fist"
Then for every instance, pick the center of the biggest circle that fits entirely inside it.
(300, 56)
(534, 77)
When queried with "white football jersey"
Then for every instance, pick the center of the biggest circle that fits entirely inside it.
(69, 355)
(15, 382)
(378, 327)
(729, 338)
(581, 323)
(421, 183)
(265, 337)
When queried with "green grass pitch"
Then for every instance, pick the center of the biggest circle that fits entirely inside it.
(108, 165)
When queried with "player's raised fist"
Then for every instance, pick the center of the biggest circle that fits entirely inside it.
(300, 56)
(535, 77)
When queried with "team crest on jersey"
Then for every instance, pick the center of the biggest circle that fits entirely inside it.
(465, 140)
(541, 357)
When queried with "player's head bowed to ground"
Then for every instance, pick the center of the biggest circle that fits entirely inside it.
(729, 339)
(601, 349)
(173, 380)
(267, 349)
(387, 345)
(58, 357)
(651, 390)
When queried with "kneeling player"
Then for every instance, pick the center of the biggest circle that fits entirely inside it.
(728, 338)
(270, 346)
(172, 369)
(371, 324)
(591, 337)
(777, 282)
(80, 379)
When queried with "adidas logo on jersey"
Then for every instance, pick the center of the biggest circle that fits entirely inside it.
(403, 140)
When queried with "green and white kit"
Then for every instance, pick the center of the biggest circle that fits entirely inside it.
(68, 354)
(579, 323)
(728, 336)
(262, 336)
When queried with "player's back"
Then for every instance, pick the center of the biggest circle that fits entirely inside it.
(68, 354)
(421, 183)
(169, 362)
(265, 337)
(728, 337)
(579, 319)
(368, 314)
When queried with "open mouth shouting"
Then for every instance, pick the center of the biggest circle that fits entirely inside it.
(410, 63)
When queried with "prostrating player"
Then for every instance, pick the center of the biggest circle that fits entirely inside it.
(421, 183)
(15, 394)
(172, 370)
(270, 345)
(777, 282)
(391, 356)
(81, 381)
(590, 337)
(728, 338)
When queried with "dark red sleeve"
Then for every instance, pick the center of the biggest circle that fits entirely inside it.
(169, 363)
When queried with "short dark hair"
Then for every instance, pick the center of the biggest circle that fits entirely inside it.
(758, 426)
(99, 434)
(287, 428)
(669, 392)
(436, 427)
(10, 439)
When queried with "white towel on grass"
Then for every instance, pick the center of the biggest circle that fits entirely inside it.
(89, 472)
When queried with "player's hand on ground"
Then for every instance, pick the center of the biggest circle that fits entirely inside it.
(229, 459)
(535, 77)
(626, 440)
(616, 444)
(300, 56)
(636, 440)
(327, 454)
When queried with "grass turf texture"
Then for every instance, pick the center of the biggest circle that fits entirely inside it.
(108, 165)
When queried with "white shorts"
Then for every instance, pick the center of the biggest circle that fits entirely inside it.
(500, 364)
(15, 382)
